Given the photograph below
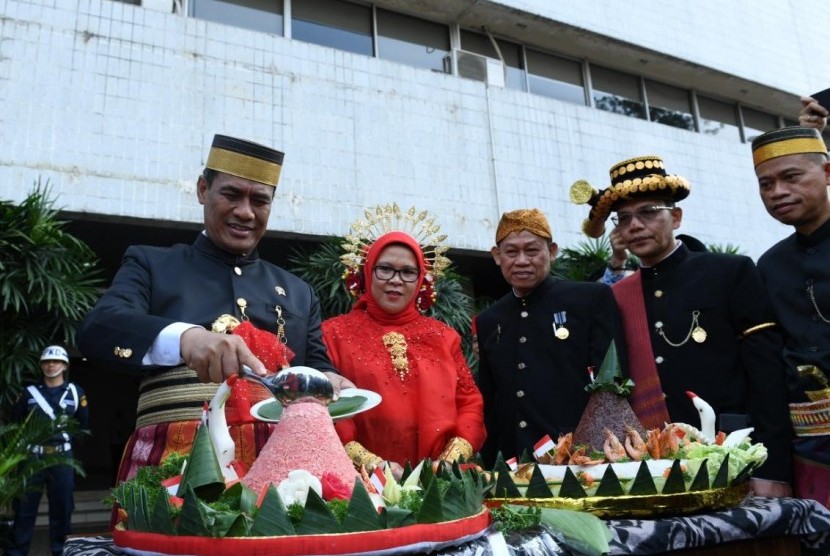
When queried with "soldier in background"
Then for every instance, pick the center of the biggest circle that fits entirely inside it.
(49, 399)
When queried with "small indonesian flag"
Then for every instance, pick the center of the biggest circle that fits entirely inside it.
(378, 479)
(544, 446)
(512, 464)
(172, 484)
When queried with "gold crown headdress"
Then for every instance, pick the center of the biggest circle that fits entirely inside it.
(390, 218)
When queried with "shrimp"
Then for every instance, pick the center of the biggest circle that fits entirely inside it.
(635, 447)
(653, 443)
(613, 448)
(669, 440)
(525, 471)
(562, 451)
(580, 457)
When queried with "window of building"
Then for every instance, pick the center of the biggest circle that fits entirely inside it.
(555, 77)
(510, 51)
(718, 118)
(350, 26)
(669, 105)
(757, 122)
(257, 15)
(412, 41)
(617, 92)
(333, 23)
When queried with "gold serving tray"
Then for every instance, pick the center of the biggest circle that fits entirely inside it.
(648, 506)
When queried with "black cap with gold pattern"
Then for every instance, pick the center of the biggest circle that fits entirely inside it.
(634, 178)
(787, 141)
(245, 159)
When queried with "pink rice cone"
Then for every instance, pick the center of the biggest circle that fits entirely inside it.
(303, 439)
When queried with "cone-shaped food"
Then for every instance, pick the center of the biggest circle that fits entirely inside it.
(303, 439)
(608, 407)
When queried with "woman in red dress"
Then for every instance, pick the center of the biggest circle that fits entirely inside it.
(431, 406)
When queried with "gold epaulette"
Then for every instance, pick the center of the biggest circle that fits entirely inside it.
(757, 328)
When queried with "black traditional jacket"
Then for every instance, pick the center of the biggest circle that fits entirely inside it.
(157, 286)
(737, 369)
(532, 381)
(788, 269)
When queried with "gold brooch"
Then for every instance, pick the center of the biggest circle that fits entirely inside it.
(396, 344)
(224, 324)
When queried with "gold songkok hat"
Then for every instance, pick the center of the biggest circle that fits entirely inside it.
(531, 220)
(245, 159)
(787, 141)
(632, 179)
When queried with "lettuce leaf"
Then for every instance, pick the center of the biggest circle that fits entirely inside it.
(740, 456)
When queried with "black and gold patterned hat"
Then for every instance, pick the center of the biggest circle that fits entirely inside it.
(644, 176)
(787, 141)
(245, 159)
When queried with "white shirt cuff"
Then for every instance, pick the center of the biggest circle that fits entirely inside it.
(166, 348)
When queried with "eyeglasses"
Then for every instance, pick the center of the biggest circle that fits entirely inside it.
(407, 274)
(645, 214)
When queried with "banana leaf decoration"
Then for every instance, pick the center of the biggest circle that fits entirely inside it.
(211, 511)
(609, 378)
(202, 472)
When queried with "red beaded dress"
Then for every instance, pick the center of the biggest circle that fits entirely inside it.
(415, 363)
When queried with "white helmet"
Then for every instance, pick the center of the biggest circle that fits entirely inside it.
(55, 353)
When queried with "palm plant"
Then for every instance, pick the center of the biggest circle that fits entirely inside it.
(588, 259)
(322, 269)
(727, 248)
(455, 307)
(48, 282)
(17, 465)
(584, 262)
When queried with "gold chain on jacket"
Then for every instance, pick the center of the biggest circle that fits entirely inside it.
(815, 305)
(696, 332)
(280, 325)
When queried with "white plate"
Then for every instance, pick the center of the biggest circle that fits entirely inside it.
(624, 471)
(372, 400)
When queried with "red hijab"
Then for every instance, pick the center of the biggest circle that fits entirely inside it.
(367, 301)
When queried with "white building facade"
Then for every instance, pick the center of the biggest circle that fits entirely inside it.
(466, 108)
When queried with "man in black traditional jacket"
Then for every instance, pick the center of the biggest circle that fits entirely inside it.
(694, 321)
(167, 309)
(537, 342)
(793, 177)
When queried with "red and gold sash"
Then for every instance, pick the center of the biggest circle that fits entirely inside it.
(647, 398)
